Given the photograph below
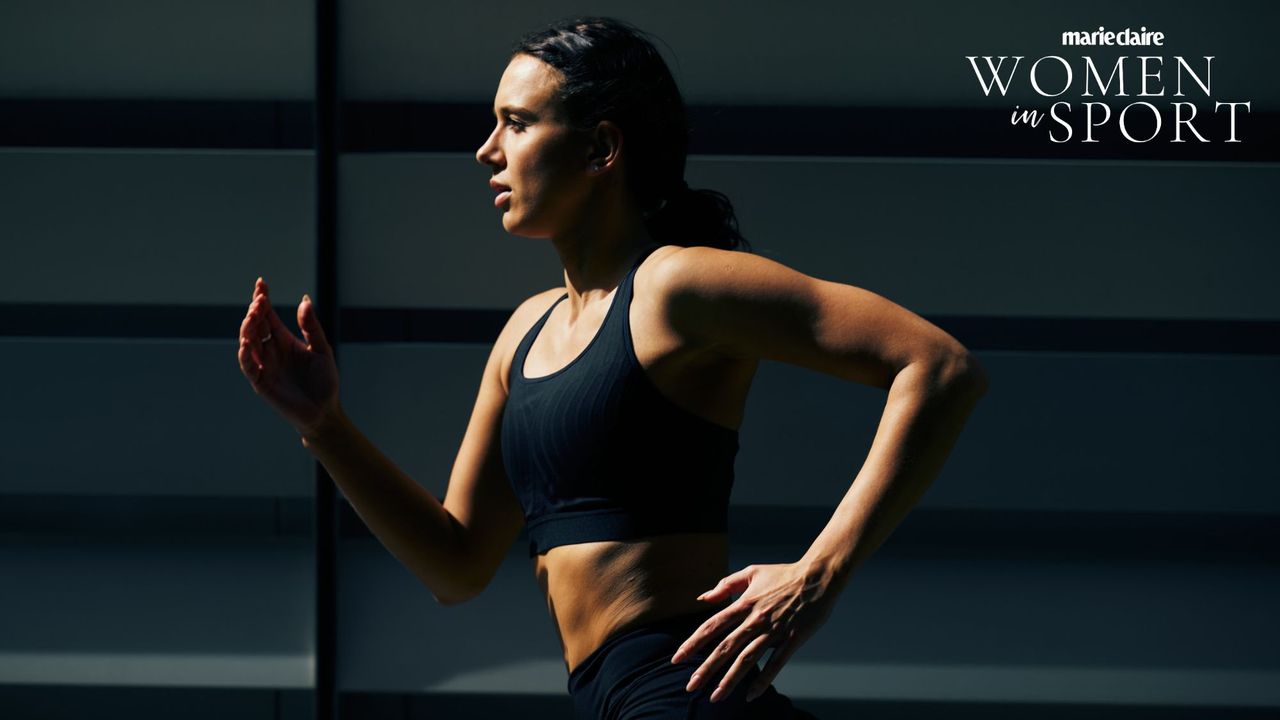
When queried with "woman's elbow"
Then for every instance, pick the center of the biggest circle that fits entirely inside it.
(456, 592)
(975, 375)
(451, 600)
(959, 369)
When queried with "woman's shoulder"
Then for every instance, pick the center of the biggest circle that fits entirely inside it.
(529, 310)
(518, 324)
(674, 272)
(689, 258)
(738, 304)
(678, 284)
(670, 265)
(540, 301)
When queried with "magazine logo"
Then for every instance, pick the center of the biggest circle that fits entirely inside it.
(1053, 76)
(1124, 37)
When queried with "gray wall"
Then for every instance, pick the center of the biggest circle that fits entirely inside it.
(155, 515)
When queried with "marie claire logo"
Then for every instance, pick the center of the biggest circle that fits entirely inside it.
(1102, 36)
(1052, 76)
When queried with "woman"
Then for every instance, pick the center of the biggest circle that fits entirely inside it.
(606, 420)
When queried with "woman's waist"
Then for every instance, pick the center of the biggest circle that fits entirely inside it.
(597, 590)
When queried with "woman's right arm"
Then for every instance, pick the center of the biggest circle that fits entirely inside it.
(405, 517)
(454, 547)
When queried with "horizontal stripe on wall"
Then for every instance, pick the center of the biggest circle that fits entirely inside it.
(925, 531)
(427, 325)
(846, 131)
(219, 124)
(833, 131)
(67, 699)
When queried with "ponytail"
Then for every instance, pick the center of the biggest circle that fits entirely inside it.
(690, 216)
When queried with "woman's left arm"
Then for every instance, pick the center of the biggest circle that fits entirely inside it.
(748, 306)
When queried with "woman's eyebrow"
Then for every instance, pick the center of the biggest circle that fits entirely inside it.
(515, 109)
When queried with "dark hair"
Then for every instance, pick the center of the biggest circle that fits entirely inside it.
(611, 71)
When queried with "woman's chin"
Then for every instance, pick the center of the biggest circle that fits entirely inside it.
(516, 225)
(514, 228)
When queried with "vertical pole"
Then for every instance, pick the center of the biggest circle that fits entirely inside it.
(327, 115)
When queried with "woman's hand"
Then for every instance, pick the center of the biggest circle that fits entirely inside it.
(781, 607)
(299, 380)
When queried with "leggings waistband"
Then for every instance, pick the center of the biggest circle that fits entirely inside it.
(678, 624)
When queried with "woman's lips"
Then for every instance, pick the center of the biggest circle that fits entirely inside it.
(501, 198)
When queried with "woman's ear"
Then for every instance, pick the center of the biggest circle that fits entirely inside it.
(604, 146)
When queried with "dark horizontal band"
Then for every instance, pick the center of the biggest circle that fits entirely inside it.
(927, 531)
(852, 131)
(130, 123)
(819, 131)
(481, 326)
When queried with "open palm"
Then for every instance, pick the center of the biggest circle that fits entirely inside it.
(298, 379)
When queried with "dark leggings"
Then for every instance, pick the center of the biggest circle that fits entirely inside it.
(630, 676)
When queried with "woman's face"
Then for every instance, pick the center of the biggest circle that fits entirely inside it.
(542, 161)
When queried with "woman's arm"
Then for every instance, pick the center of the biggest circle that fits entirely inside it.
(928, 404)
(747, 306)
(456, 546)
(453, 547)
(402, 514)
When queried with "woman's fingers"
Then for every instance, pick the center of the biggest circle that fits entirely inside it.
(251, 353)
(709, 668)
(262, 352)
(730, 617)
(312, 332)
(248, 365)
(708, 630)
(744, 662)
(256, 331)
(781, 653)
(268, 343)
(273, 325)
(282, 337)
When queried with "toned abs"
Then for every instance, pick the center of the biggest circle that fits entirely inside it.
(594, 590)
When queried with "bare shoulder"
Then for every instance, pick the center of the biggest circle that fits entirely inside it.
(743, 305)
(532, 307)
(517, 326)
(696, 289)
(705, 271)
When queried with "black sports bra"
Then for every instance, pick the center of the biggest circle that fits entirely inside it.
(595, 452)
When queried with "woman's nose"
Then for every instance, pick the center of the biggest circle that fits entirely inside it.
(482, 154)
